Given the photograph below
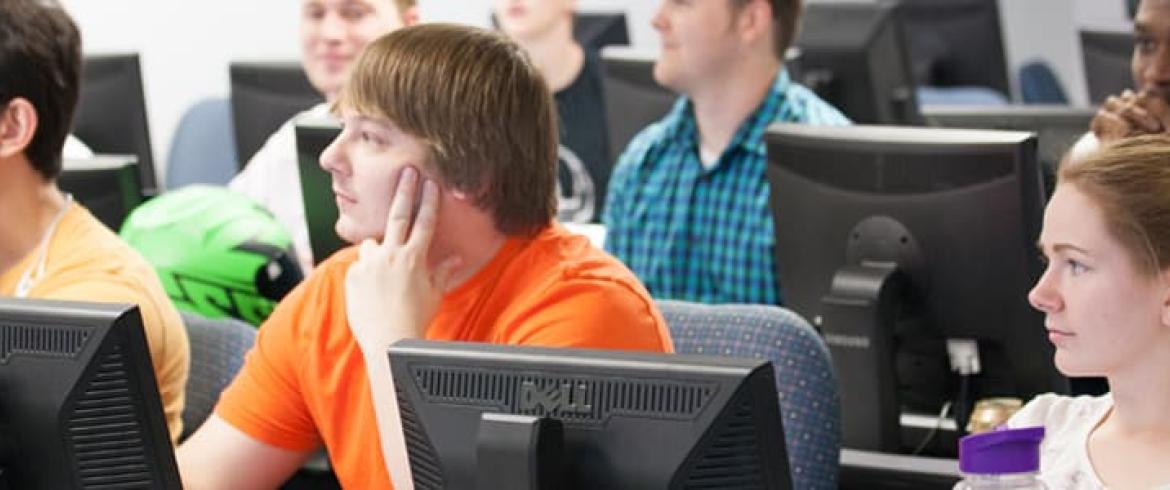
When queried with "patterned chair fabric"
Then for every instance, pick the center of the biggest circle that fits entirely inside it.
(805, 381)
(217, 353)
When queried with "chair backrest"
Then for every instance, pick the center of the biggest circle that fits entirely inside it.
(805, 382)
(203, 150)
(217, 353)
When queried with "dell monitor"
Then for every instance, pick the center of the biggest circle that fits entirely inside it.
(107, 185)
(1107, 56)
(1057, 127)
(853, 55)
(313, 136)
(79, 406)
(955, 43)
(913, 251)
(489, 416)
(111, 112)
(264, 95)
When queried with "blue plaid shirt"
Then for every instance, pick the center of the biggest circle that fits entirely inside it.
(700, 234)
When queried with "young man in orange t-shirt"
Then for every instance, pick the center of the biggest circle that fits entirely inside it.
(444, 172)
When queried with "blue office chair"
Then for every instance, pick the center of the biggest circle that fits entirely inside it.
(1039, 84)
(217, 353)
(805, 382)
(218, 347)
(203, 150)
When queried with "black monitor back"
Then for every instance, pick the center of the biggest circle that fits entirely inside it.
(266, 94)
(1057, 127)
(313, 136)
(111, 112)
(630, 420)
(958, 212)
(79, 405)
(633, 99)
(955, 43)
(854, 56)
(1107, 56)
(107, 185)
(596, 30)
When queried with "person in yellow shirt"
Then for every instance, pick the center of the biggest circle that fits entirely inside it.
(50, 246)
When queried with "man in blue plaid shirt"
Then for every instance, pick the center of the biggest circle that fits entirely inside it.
(688, 201)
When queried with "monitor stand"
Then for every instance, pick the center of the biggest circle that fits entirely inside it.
(519, 452)
(860, 312)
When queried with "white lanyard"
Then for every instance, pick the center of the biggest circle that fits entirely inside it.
(33, 274)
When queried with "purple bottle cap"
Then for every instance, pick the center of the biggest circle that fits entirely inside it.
(1001, 451)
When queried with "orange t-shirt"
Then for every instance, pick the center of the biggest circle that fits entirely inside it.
(304, 383)
(85, 261)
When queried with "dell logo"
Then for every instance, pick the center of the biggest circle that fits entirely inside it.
(563, 398)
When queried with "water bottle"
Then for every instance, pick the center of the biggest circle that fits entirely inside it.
(1001, 459)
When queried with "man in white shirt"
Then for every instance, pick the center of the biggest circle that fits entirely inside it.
(333, 32)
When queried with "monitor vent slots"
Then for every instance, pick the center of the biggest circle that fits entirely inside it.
(40, 341)
(108, 458)
(587, 401)
(731, 460)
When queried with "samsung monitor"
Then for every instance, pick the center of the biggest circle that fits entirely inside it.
(111, 112)
(79, 406)
(107, 185)
(955, 43)
(1057, 127)
(264, 95)
(913, 251)
(313, 135)
(853, 55)
(490, 416)
(1107, 56)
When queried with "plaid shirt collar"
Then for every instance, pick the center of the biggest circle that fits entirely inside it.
(681, 128)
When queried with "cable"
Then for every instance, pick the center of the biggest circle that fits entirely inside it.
(942, 415)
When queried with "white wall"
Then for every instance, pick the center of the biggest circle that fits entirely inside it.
(185, 45)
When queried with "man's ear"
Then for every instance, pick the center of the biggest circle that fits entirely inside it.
(755, 21)
(18, 125)
(410, 16)
(1165, 308)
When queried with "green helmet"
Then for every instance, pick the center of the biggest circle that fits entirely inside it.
(217, 253)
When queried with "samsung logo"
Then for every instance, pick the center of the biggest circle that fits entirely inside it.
(562, 398)
(847, 341)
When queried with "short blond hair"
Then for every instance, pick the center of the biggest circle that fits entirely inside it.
(1130, 180)
(480, 106)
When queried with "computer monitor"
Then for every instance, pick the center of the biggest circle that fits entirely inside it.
(107, 185)
(596, 30)
(1107, 56)
(111, 112)
(1057, 127)
(954, 43)
(313, 135)
(633, 99)
(903, 245)
(853, 55)
(491, 416)
(266, 94)
(79, 405)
